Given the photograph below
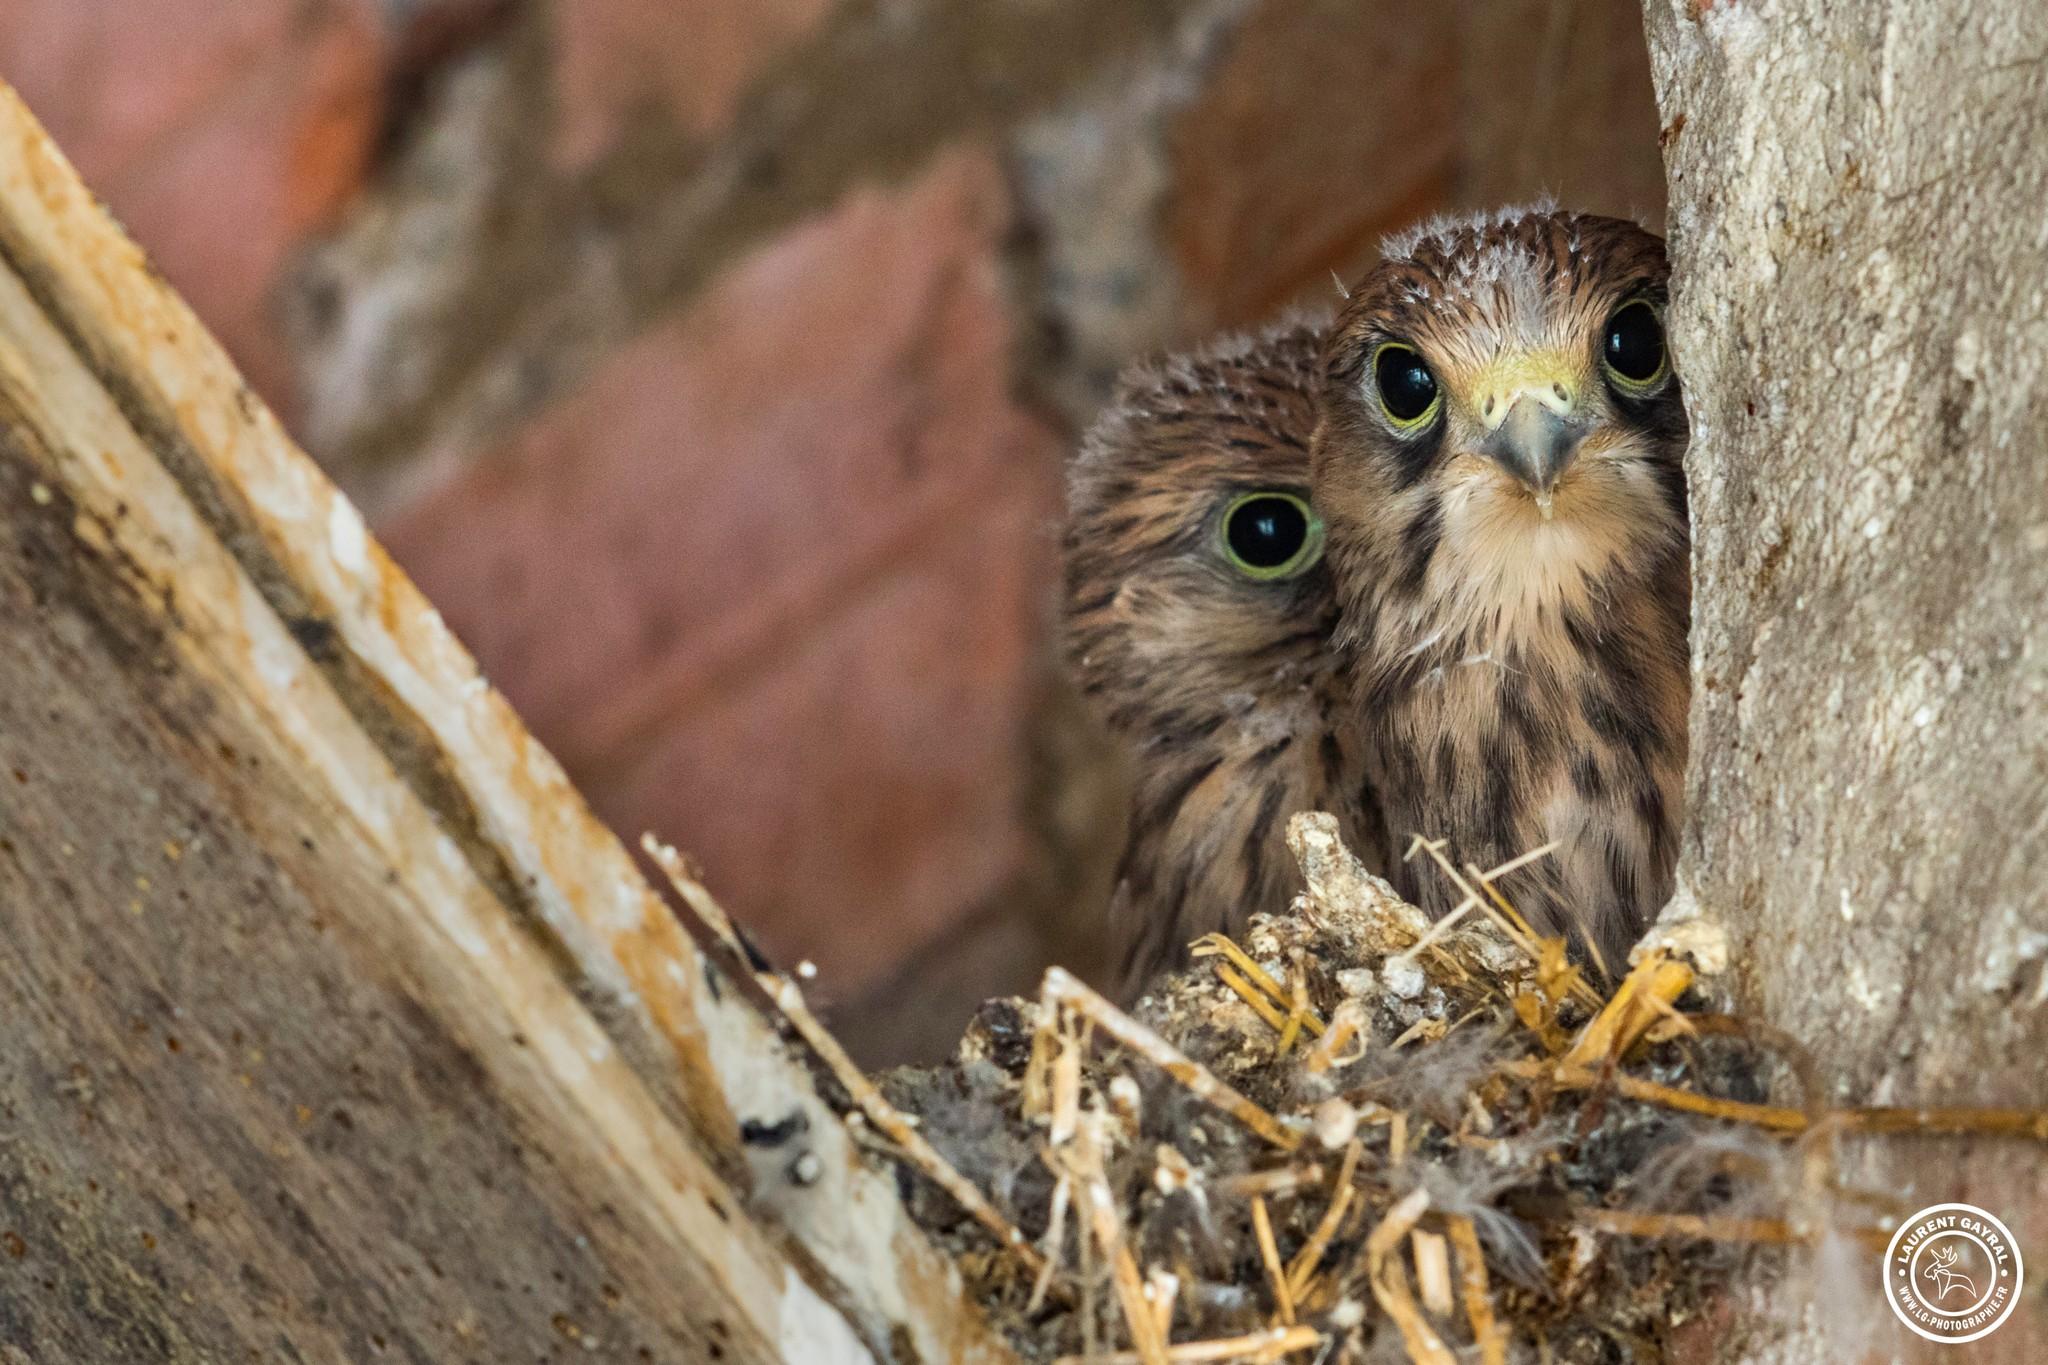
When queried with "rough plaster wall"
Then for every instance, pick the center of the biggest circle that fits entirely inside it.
(1859, 216)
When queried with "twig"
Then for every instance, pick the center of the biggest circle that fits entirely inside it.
(1431, 1029)
(788, 1001)
(2013, 1123)
(1347, 1021)
(1656, 980)
(1269, 1252)
(1065, 1113)
(1712, 1227)
(1500, 901)
(892, 1122)
(1472, 900)
(1311, 1254)
(1298, 1012)
(1090, 1319)
(2030, 1124)
(693, 891)
(1519, 935)
(1486, 882)
(1478, 1299)
(1163, 1287)
(1220, 945)
(1702, 1226)
(1279, 1180)
(1771, 1116)
(1310, 1258)
(1789, 1050)
(1390, 1281)
(1432, 1270)
(1245, 991)
(1061, 987)
(1083, 1159)
(1130, 1289)
(1267, 1345)
(1441, 928)
(1055, 1231)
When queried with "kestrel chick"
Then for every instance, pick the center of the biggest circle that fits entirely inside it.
(1498, 463)
(1198, 622)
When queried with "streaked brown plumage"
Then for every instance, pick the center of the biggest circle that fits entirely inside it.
(1511, 563)
(1219, 680)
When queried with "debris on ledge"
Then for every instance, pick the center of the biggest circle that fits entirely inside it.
(1358, 1135)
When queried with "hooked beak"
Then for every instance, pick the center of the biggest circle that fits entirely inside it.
(1535, 442)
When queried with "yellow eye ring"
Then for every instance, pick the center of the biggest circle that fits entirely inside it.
(1408, 392)
(1633, 355)
(1269, 535)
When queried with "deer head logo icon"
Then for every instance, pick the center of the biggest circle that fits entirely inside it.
(1941, 1269)
(1930, 1257)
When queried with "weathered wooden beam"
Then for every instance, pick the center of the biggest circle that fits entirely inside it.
(339, 1025)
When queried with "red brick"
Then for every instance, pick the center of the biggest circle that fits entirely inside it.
(221, 132)
(222, 207)
(112, 79)
(618, 60)
(725, 580)
(862, 791)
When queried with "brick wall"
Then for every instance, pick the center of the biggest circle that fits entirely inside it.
(710, 362)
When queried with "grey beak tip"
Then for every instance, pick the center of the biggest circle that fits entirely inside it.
(1535, 445)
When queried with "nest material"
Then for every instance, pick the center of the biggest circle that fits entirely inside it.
(1355, 1133)
(1358, 1135)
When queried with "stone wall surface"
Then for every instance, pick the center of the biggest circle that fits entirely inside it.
(711, 364)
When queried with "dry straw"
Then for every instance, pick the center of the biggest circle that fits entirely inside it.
(1351, 1195)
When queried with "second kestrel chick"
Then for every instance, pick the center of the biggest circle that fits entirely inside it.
(1499, 464)
(1198, 622)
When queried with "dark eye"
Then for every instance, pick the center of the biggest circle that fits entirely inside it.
(1271, 535)
(1633, 350)
(1407, 388)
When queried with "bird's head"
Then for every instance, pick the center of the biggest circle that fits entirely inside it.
(1196, 595)
(1500, 419)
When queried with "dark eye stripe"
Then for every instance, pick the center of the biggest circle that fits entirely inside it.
(1414, 457)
